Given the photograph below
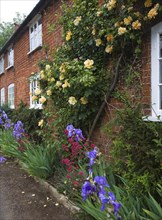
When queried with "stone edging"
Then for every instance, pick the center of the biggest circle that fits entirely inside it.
(60, 197)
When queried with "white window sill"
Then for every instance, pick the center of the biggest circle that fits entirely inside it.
(9, 67)
(36, 107)
(1, 73)
(33, 50)
(153, 118)
(12, 107)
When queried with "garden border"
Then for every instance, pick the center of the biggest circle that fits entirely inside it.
(60, 197)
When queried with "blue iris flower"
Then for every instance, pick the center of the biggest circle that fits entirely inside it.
(115, 204)
(2, 159)
(104, 200)
(77, 133)
(4, 115)
(18, 130)
(92, 155)
(87, 189)
(101, 181)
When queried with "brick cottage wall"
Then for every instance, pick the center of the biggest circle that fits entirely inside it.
(24, 62)
(100, 138)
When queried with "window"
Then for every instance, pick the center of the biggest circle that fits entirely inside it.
(33, 86)
(1, 65)
(156, 71)
(11, 96)
(10, 57)
(2, 96)
(35, 34)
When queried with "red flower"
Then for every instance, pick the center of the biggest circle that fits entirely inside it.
(68, 177)
(65, 148)
(76, 183)
(81, 173)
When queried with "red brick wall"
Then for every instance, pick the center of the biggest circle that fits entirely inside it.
(24, 63)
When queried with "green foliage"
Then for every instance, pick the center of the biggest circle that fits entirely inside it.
(39, 160)
(136, 150)
(8, 144)
(30, 119)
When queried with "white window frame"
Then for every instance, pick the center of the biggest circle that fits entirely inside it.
(1, 64)
(10, 60)
(156, 113)
(11, 96)
(2, 96)
(33, 86)
(35, 33)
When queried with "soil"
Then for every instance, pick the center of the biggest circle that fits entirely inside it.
(22, 198)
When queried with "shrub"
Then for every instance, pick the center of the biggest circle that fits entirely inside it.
(136, 150)
(30, 119)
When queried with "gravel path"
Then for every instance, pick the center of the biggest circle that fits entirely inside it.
(21, 198)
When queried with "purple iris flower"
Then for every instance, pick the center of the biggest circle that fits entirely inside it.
(114, 203)
(18, 130)
(87, 189)
(4, 115)
(2, 159)
(101, 181)
(71, 130)
(79, 134)
(104, 200)
(1, 121)
(92, 155)
(7, 124)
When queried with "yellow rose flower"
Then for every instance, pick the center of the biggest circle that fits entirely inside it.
(40, 123)
(153, 12)
(32, 73)
(109, 49)
(34, 97)
(138, 14)
(98, 42)
(111, 4)
(77, 20)
(61, 77)
(68, 35)
(83, 100)
(37, 91)
(42, 76)
(99, 13)
(117, 24)
(72, 100)
(58, 84)
(52, 79)
(130, 9)
(49, 93)
(128, 20)
(136, 25)
(88, 64)
(62, 68)
(66, 84)
(48, 67)
(148, 3)
(109, 37)
(122, 30)
(42, 99)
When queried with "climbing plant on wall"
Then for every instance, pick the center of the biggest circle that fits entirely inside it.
(98, 41)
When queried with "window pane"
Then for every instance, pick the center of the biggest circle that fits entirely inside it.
(160, 39)
(160, 101)
(160, 71)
